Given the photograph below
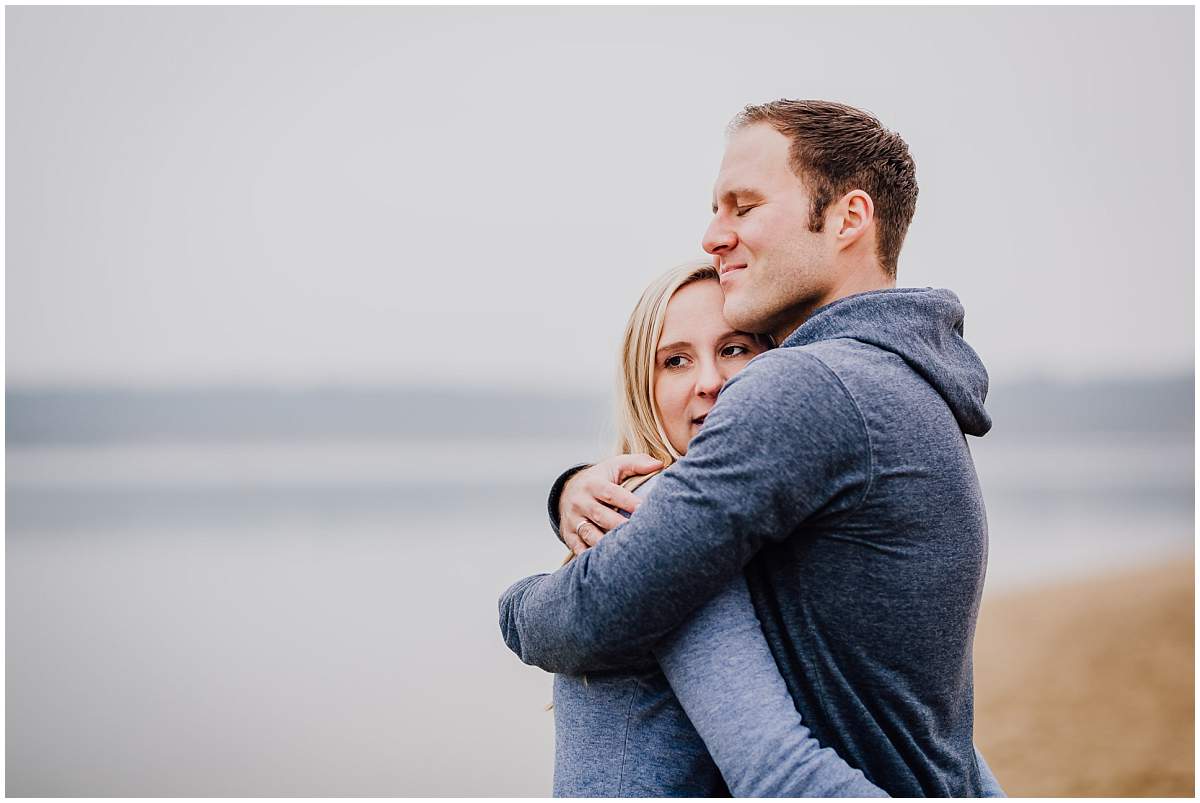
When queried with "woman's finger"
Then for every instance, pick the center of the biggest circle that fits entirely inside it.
(604, 518)
(590, 534)
(623, 466)
(572, 540)
(618, 497)
(579, 492)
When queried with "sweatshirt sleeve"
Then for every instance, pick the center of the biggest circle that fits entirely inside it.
(784, 443)
(556, 494)
(529, 590)
(989, 786)
(721, 669)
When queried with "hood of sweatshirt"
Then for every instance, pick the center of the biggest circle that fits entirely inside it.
(924, 326)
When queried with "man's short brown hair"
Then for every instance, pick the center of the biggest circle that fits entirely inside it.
(837, 148)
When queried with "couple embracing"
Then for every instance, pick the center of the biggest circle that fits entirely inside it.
(790, 608)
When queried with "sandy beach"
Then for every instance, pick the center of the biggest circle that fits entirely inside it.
(1087, 688)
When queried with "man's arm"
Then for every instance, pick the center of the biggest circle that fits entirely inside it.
(512, 611)
(785, 442)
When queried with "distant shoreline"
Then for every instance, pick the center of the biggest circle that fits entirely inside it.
(86, 415)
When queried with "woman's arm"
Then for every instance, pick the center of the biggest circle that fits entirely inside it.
(720, 668)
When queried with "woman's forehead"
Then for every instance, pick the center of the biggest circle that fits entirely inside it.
(695, 312)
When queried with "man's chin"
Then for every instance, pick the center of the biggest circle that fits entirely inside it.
(743, 317)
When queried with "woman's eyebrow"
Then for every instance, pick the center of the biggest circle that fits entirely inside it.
(678, 344)
(684, 344)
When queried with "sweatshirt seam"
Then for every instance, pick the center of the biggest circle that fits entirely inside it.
(862, 422)
(625, 742)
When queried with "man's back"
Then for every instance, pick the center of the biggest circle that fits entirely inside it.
(870, 611)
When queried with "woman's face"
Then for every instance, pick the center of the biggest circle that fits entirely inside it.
(697, 352)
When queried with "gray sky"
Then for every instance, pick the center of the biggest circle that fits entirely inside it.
(478, 196)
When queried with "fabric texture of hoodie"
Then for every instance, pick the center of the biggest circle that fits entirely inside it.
(834, 471)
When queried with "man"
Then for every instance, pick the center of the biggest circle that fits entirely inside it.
(833, 470)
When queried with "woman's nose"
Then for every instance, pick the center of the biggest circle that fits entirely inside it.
(709, 381)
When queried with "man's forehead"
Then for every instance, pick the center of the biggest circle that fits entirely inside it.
(756, 158)
(739, 193)
(741, 176)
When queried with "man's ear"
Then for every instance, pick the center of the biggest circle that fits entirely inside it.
(854, 214)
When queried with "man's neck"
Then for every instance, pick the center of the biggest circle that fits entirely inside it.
(858, 282)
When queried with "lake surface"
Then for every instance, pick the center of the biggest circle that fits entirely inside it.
(318, 617)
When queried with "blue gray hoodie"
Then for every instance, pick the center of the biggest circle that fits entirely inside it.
(834, 471)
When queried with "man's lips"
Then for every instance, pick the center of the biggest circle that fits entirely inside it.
(725, 270)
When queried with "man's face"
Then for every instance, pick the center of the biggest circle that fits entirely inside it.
(774, 271)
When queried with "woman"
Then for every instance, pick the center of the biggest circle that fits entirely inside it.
(708, 713)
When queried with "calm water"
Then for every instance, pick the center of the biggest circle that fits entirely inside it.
(319, 618)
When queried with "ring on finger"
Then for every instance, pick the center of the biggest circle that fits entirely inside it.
(579, 527)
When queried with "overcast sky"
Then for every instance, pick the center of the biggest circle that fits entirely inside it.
(478, 196)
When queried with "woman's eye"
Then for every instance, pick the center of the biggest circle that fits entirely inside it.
(678, 361)
(734, 351)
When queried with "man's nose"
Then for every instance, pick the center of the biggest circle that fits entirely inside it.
(719, 239)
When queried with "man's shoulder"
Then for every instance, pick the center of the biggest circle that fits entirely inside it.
(788, 385)
(823, 365)
(858, 367)
(791, 369)
(846, 354)
(836, 376)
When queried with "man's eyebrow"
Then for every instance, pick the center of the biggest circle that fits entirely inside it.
(733, 194)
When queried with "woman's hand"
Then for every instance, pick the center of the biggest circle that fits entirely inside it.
(590, 501)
